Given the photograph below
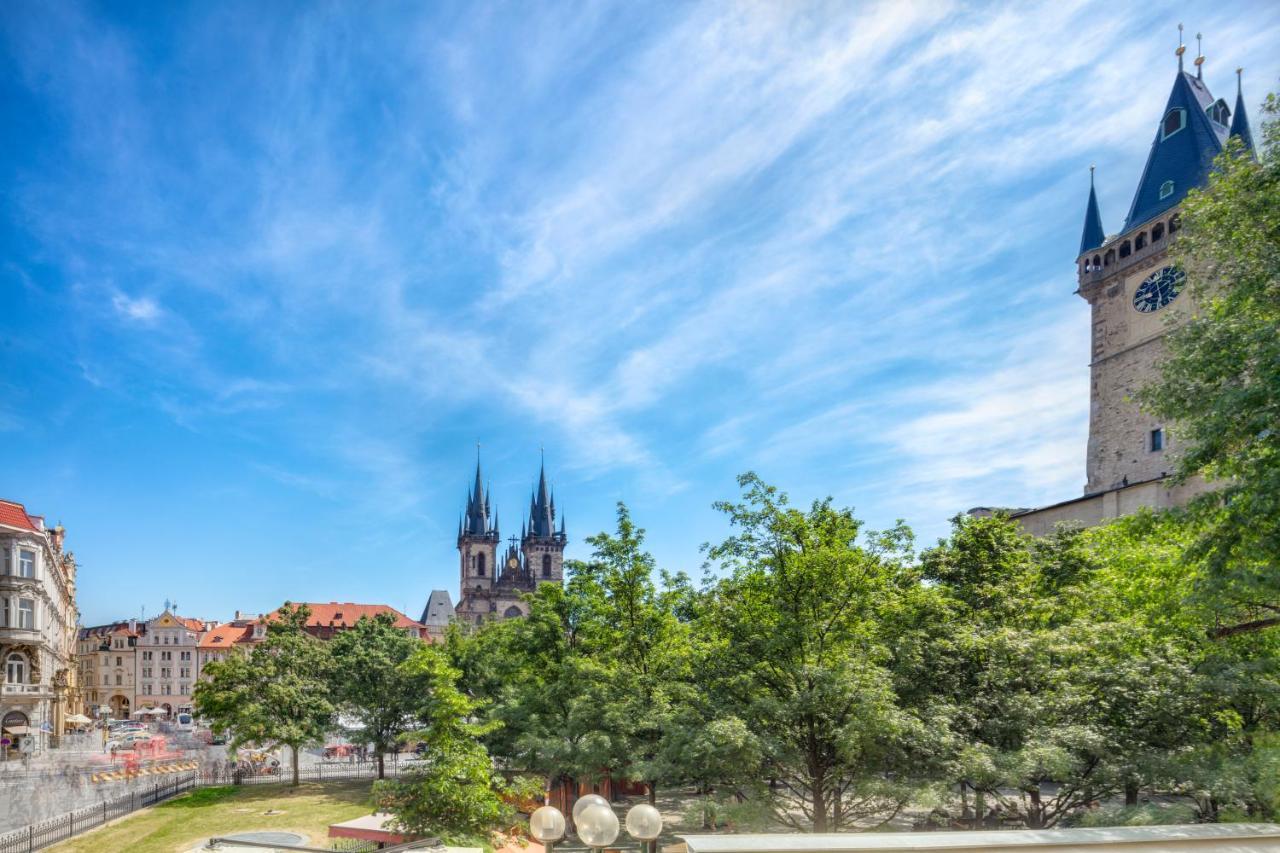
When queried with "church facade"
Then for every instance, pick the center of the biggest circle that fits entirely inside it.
(1136, 298)
(493, 579)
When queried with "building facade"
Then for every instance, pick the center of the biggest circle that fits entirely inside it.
(493, 583)
(107, 660)
(1136, 297)
(38, 618)
(167, 662)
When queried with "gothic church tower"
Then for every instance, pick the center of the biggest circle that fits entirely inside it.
(493, 584)
(1135, 294)
(1133, 289)
(477, 553)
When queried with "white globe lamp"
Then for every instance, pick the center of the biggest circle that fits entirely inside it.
(597, 826)
(644, 824)
(584, 802)
(546, 824)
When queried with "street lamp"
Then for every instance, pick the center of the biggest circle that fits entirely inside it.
(547, 825)
(644, 824)
(597, 825)
(583, 802)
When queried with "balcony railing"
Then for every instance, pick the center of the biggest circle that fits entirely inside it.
(24, 689)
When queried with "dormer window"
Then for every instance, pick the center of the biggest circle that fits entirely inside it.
(1166, 190)
(1174, 121)
(1219, 112)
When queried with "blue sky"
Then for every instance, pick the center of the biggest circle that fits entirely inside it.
(270, 271)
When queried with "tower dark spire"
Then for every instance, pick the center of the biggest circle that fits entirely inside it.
(1240, 118)
(1093, 234)
(476, 520)
(1186, 141)
(541, 515)
(1182, 48)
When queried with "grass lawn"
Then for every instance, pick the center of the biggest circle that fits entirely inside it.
(183, 822)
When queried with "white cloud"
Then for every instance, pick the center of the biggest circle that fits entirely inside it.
(141, 309)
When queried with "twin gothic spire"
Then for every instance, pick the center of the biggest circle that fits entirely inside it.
(541, 523)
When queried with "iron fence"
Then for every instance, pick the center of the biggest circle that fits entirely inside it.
(60, 828)
(64, 826)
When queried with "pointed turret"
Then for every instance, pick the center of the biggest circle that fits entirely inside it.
(1182, 153)
(1093, 234)
(1240, 118)
(476, 519)
(541, 523)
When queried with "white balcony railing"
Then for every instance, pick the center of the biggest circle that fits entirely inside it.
(1235, 837)
(23, 689)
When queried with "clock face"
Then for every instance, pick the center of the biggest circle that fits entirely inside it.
(1159, 289)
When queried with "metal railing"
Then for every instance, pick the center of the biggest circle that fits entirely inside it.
(60, 828)
(64, 826)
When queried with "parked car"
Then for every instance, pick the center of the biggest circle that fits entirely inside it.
(184, 723)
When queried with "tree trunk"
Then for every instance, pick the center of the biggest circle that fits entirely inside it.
(819, 803)
(1035, 812)
(653, 792)
(294, 751)
(1131, 792)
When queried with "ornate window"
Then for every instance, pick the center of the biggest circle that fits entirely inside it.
(480, 565)
(15, 669)
(546, 565)
(1166, 189)
(26, 613)
(512, 612)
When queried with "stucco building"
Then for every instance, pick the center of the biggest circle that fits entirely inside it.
(167, 662)
(38, 618)
(1136, 297)
(107, 662)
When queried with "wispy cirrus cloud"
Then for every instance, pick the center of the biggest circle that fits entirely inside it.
(830, 240)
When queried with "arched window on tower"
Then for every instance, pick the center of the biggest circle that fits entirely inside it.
(1175, 222)
(1109, 258)
(1125, 249)
(546, 565)
(1097, 262)
(1157, 233)
(1140, 242)
(480, 565)
(512, 612)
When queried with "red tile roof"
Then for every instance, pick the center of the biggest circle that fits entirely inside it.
(345, 614)
(225, 636)
(193, 624)
(13, 514)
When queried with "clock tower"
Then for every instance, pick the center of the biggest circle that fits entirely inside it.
(1136, 296)
(1135, 293)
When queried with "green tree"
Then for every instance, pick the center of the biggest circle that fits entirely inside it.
(456, 794)
(1220, 382)
(275, 694)
(1046, 687)
(799, 642)
(637, 638)
(368, 682)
